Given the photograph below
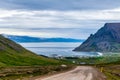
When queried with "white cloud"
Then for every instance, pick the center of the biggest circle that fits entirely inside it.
(88, 19)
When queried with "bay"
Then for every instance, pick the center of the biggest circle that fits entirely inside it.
(56, 48)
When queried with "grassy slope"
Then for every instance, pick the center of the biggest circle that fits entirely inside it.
(12, 54)
(16, 60)
(23, 59)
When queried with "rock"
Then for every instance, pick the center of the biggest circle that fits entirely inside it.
(106, 39)
(64, 66)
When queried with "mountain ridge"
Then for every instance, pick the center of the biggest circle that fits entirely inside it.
(106, 39)
(37, 39)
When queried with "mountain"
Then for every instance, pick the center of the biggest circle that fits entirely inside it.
(36, 39)
(106, 39)
(13, 54)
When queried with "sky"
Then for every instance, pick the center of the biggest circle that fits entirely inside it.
(57, 18)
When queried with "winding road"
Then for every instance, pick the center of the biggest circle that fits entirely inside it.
(79, 73)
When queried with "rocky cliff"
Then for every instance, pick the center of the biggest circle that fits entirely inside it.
(106, 39)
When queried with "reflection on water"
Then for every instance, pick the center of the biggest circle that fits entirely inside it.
(60, 49)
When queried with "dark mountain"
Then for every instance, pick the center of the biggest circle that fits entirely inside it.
(36, 39)
(107, 39)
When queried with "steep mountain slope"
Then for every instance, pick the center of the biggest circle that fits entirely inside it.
(107, 39)
(12, 54)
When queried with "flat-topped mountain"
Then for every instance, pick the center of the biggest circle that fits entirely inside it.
(39, 39)
(106, 39)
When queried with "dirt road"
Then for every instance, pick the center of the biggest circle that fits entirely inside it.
(79, 73)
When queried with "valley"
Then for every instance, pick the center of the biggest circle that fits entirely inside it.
(16, 62)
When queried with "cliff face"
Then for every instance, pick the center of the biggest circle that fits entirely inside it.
(107, 39)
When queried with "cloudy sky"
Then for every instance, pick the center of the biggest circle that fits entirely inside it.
(57, 18)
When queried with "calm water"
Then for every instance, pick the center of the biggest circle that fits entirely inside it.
(61, 49)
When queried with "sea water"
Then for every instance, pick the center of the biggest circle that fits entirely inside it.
(57, 48)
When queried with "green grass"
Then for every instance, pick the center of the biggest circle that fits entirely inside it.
(17, 61)
(12, 54)
(24, 59)
(106, 59)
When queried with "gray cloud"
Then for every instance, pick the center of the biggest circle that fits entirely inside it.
(73, 24)
(59, 4)
(57, 18)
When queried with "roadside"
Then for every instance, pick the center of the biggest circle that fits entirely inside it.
(30, 72)
(112, 72)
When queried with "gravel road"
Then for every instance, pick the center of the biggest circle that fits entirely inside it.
(79, 73)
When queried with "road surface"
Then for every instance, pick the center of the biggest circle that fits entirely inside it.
(79, 73)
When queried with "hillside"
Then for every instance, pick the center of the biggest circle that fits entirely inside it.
(16, 62)
(106, 39)
(38, 39)
(12, 54)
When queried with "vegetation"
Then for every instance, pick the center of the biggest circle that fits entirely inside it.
(27, 72)
(108, 64)
(112, 72)
(16, 60)
(112, 68)
(24, 59)
(12, 54)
